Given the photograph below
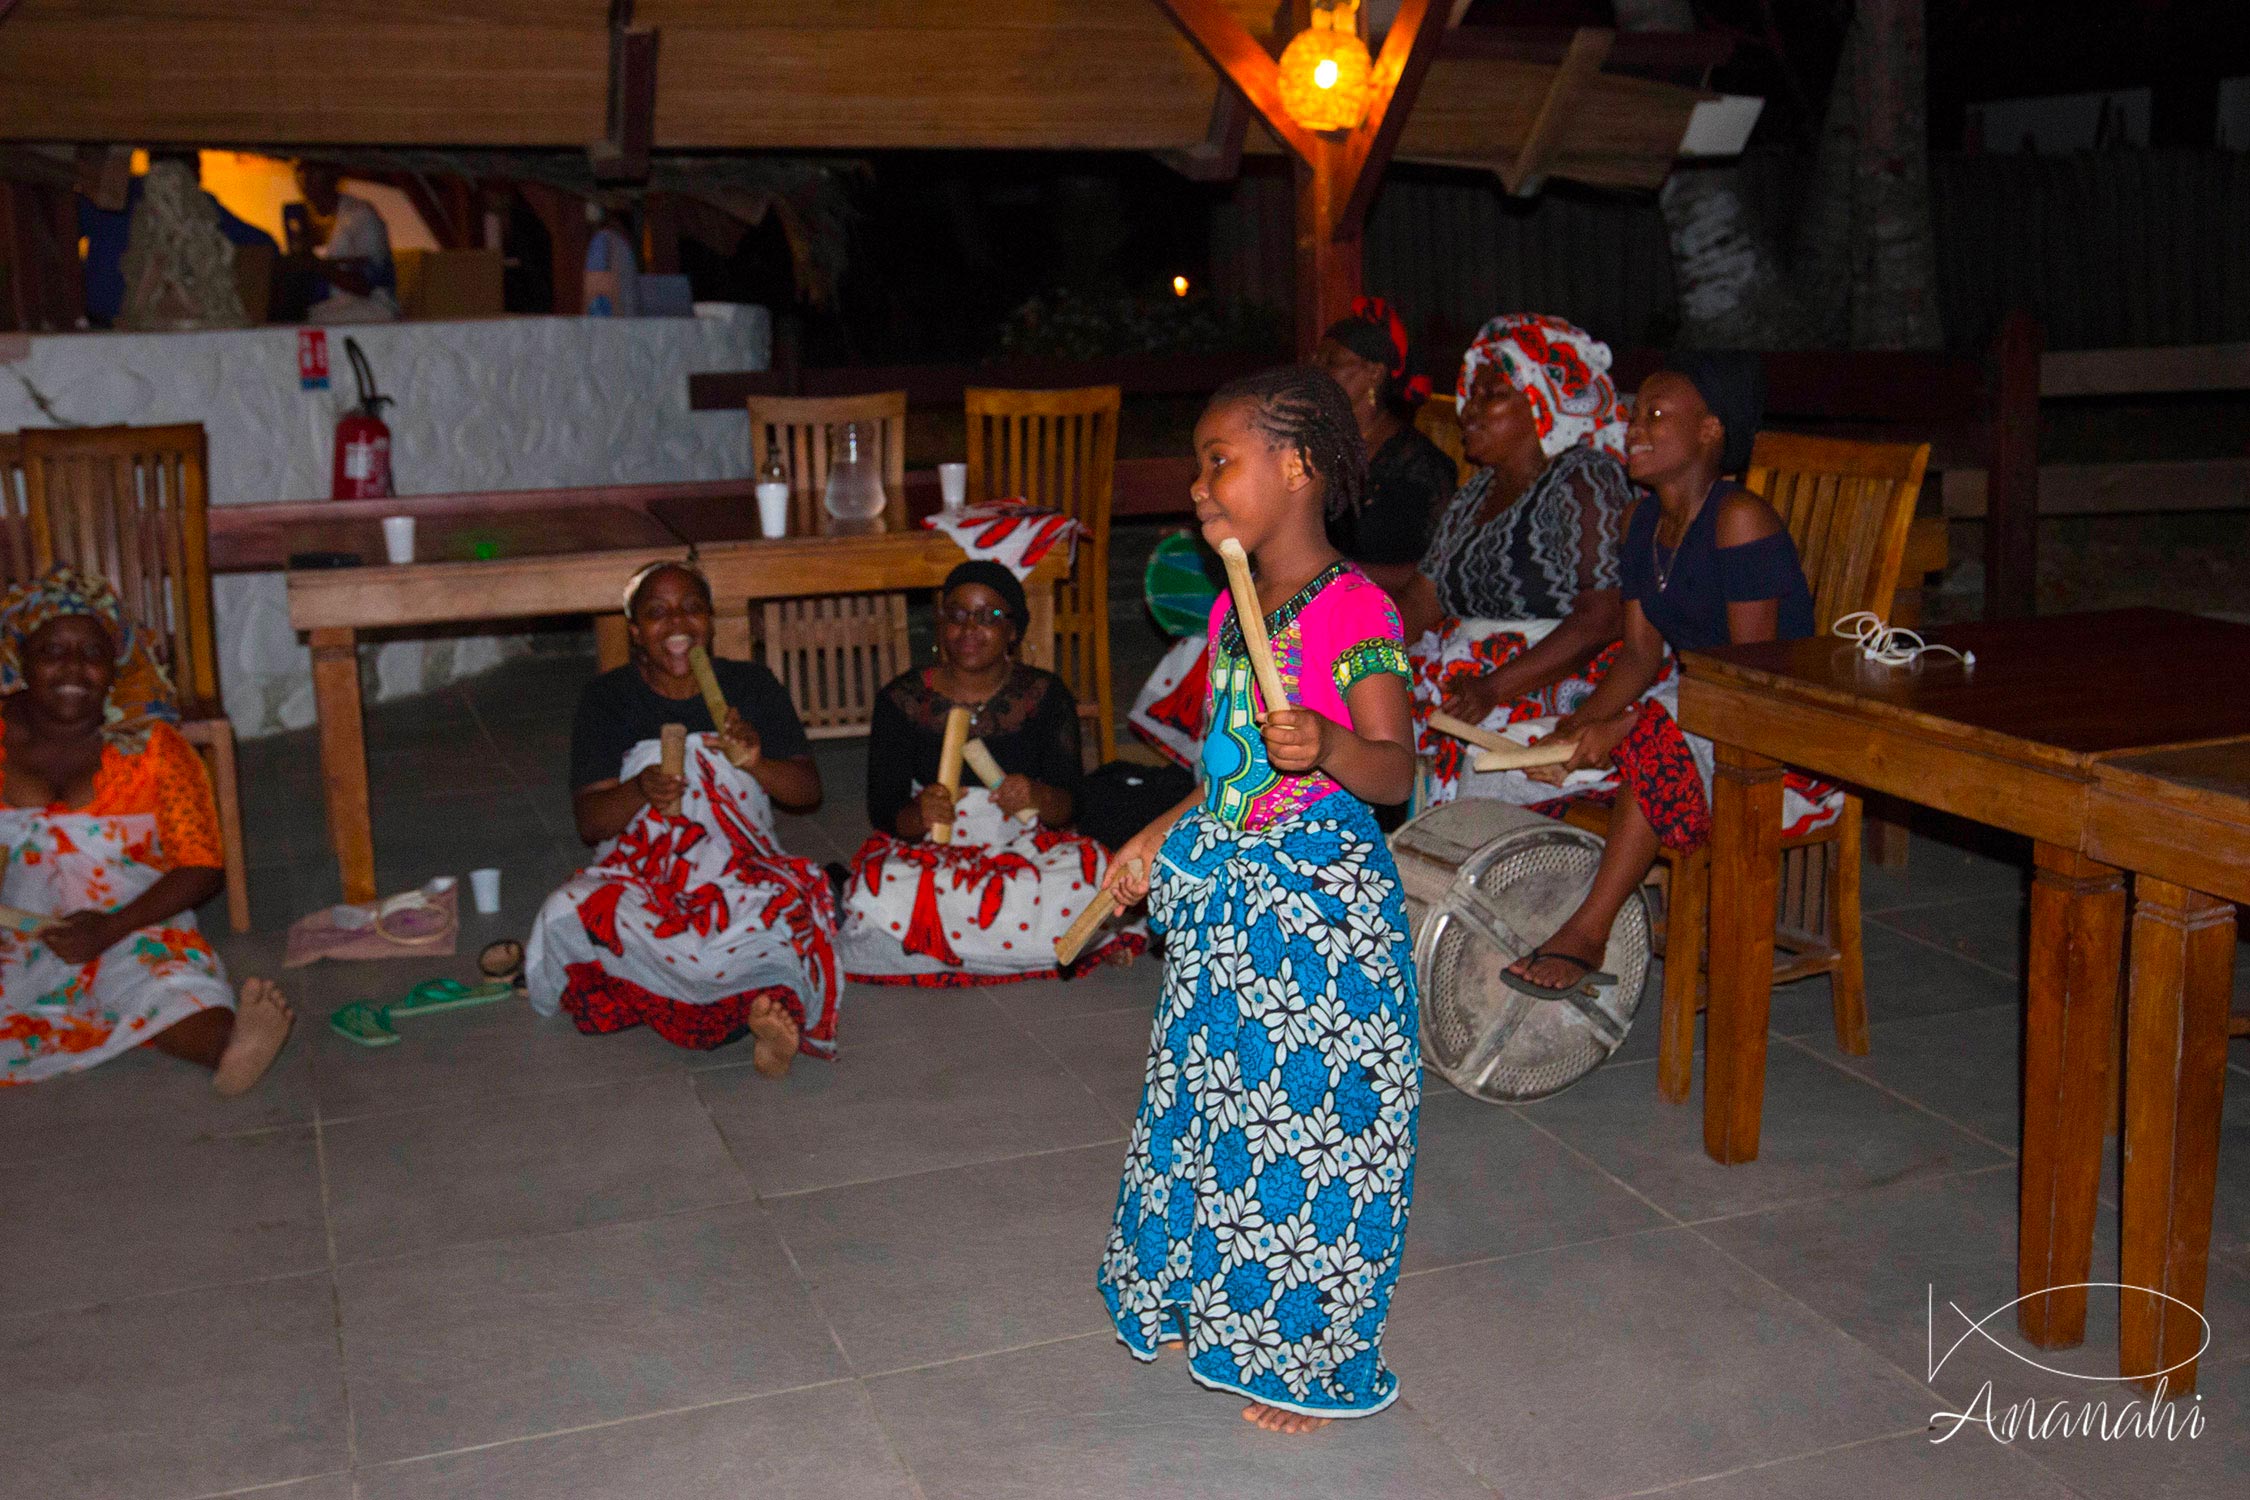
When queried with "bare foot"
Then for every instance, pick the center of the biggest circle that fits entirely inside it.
(1274, 1419)
(776, 1031)
(262, 1019)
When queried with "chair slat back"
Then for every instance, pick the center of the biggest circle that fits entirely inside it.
(1848, 506)
(1439, 420)
(15, 513)
(130, 504)
(834, 654)
(1058, 449)
(809, 430)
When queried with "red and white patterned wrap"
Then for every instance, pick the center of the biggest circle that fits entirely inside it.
(1013, 533)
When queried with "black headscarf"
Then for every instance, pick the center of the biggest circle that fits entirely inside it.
(1732, 384)
(1000, 581)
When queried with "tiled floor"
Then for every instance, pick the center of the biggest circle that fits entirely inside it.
(503, 1260)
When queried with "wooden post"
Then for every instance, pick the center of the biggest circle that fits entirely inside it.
(2011, 513)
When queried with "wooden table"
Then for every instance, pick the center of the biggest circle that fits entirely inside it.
(502, 561)
(2119, 744)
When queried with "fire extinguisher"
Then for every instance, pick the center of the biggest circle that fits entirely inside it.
(363, 442)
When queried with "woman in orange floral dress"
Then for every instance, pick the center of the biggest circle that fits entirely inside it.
(110, 842)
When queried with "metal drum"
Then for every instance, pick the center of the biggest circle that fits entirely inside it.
(1487, 882)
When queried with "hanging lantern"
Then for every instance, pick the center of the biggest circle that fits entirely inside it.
(1325, 69)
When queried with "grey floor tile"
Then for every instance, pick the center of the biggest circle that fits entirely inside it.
(2175, 1464)
(167, 1215)
(891, 1110)
(819, 1444)
(965, 1261)
(1104, 987)
(411, 1182)
(1486, 1183)
(464, 1056)
(1530, 1366)
(1824, 1132)
(142, 1096)
(1084, 1419)
(189, 1394)
(1988, 930)
(1910, 1467)
(1937, 872)
(319, 1487)
(1966, 1067)
(1105, 1050)
(884, 1015)
(535, 1336)
(1917, 982)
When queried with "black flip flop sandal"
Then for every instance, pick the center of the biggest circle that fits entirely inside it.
(1587, 983)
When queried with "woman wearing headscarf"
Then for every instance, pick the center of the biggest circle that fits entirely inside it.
(111, 840)
(1409, 478)
(986, 907)
(1706, 563)
(1516, 600)
(691, 920)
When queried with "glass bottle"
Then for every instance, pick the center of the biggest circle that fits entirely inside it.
(855, 488)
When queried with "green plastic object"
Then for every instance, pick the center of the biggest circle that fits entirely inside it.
(445, 994)
(1182, 582)
(363, 1025)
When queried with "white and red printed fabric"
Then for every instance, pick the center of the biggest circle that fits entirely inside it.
(683, 922)
(984, 909)
(1013, 533)
(1169, 712)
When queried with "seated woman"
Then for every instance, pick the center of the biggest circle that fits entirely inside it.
(1409, 478)
(1706, 564)
(1516, 599)
(108, 828)
(691, 920)
(987, 907)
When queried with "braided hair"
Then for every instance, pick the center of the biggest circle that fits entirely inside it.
(1301, 407)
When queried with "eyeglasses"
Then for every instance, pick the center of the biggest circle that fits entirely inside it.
(954, 614)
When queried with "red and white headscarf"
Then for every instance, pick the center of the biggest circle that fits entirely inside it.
(1563, 372)
(1375, 332)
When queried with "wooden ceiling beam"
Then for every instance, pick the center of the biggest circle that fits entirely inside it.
(1409, 48)
(1656, 51)
(1227, 45)
(623, 155)
(1218, 156)
(1589, 49)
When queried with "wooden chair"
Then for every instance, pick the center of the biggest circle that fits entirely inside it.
(1847, 506)
(1439, 420)
(129, 503)
(835, 653)
(15, 517)
(1058, 449)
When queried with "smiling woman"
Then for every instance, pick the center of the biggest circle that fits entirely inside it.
(112, 839)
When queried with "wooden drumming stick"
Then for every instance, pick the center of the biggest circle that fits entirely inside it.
(1097, 912)
(15, 919)
(1515, 757)
(988, 771)
(671, 758)
(949, 765)
(1253, 618)
(715, 703)
(1461, 729)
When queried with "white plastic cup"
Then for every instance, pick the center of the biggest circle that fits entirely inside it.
(398, 538)
(953, 481)
(773, 510)
(484, 890)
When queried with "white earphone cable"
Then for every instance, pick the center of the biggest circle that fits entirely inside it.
(1892, 645)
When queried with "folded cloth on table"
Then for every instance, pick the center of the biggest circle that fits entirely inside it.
(1012, 533)
(422, 923)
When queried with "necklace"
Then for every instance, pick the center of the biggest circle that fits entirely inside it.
(1656, 562)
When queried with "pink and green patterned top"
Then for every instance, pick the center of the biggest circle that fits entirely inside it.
(1333, 632)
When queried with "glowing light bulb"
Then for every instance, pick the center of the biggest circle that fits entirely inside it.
(1179, 286)
(1324, 75)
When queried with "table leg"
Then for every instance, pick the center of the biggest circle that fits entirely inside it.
(1039, 638)
(2070, 1021)
(2175, 1080)
(1745, 869)
(343, 758)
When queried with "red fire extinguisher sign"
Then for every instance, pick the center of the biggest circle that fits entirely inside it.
(312, 358)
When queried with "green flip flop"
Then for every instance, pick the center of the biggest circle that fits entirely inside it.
(446, 994)
(362, 1024)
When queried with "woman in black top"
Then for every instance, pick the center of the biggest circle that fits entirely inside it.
(1409, 478)
(1705, 563)
(986, 906)
(691, 920)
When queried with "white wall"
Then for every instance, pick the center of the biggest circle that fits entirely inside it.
(495, 404)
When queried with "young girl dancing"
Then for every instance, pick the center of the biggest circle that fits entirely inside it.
(1264, 1200)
